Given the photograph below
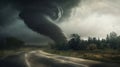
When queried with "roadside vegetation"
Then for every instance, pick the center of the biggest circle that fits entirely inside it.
(107, 50)
(111, 56)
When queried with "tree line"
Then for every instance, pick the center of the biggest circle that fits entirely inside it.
(112, 41)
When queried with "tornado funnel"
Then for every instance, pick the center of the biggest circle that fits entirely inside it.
(41, 21)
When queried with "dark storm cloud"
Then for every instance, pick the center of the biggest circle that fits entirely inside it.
(8, 7)
(7, 15)
(39, 15)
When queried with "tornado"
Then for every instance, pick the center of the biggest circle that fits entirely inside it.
(42, 20)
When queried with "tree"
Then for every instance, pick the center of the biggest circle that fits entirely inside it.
(112, 40)
(118, 42)
(75, 42)
(90, 39)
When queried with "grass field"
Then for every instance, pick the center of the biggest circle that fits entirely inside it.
(112, 56)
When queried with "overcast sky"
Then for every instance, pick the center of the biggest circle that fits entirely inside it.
(95, 18)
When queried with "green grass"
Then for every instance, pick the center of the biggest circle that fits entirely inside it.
(112, 56)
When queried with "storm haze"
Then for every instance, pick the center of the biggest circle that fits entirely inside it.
(95, 18)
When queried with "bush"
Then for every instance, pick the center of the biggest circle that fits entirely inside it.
(92, 47)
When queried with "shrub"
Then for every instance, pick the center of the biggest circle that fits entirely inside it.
(92, 47)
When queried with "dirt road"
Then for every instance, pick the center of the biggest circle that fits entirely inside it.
(40, 58)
